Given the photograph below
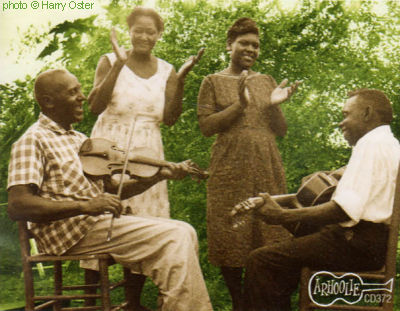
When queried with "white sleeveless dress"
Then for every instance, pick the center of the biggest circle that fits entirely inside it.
(141, 101)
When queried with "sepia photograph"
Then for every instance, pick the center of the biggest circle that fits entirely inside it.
(199, 155)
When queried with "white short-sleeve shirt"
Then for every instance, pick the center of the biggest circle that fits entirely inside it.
(366, 189)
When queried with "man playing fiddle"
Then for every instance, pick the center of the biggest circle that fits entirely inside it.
(70, 212)
(353, 234)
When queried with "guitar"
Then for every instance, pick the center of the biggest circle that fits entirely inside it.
(317, 189)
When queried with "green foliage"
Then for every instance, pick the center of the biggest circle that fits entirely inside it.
(330, 47)
(17, 112)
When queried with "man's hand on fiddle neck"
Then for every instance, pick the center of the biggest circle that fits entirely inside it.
(175, 171)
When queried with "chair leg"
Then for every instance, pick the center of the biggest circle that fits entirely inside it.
(104, 285)
(29, 288)
(91, 277)
(304, 300)
(129, 288)
(57, 283)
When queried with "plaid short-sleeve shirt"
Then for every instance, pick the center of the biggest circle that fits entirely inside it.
(47, 156)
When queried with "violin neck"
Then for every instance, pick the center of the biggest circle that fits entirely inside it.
(190, 168)
(145, 160)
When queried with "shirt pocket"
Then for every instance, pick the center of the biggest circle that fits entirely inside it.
(53, 177)
(73, 179)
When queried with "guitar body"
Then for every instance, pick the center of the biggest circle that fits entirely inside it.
(317, 189)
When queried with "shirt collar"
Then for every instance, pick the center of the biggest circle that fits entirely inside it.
(383, 129)
(46, 122)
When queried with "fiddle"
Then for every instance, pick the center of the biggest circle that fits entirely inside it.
(102, 157)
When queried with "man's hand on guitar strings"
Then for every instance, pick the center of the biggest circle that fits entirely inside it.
(270, 211)
(246, 205)
(242, 207)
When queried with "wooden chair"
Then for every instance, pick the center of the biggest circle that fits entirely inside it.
(89, 289)
(383, 275)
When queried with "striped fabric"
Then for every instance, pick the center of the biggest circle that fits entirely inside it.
(47, 156)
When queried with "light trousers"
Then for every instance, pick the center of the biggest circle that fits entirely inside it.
(164, 250)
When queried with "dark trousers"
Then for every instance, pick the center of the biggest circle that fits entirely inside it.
(273, 271)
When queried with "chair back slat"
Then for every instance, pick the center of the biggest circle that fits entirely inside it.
(23, 236)
(393, 232)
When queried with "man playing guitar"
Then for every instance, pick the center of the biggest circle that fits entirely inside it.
(353, 223)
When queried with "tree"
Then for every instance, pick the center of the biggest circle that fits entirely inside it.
(332, 47)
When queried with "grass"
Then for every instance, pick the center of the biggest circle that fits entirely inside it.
(12, 287)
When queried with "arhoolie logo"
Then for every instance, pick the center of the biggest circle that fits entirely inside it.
(325, 288)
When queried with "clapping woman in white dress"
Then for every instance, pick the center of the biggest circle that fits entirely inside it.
(135, 88)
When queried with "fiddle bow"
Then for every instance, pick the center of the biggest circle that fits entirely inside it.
(121, 181)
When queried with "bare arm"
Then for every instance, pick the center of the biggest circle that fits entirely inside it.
(106, 77)
(136, 186)
(175, 89)
(173, 99)
(133, 187)
(104, 83)
(25, 204)
(279, 95)
(278, 121)
(323, 214)
(219, 121)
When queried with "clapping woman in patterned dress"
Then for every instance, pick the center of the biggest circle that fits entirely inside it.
(242, 107)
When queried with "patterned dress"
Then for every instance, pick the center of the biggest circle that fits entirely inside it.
(244, 162)
(140, 102)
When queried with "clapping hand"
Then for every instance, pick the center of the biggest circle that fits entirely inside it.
(189, 64)
(120, 52)
(243, 89)
(282, 93)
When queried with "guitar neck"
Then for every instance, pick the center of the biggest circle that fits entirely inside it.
(190, 168)
(284, 199)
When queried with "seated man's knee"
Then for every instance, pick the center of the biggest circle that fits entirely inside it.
(253, 257)
(191, 231)
(187, 230)
(183, 231)
(259, 257)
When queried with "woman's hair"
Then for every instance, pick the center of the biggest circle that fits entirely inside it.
(240, 27)
(140, 11)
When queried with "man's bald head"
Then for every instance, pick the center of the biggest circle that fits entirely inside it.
(49, 83)
(59, 95)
